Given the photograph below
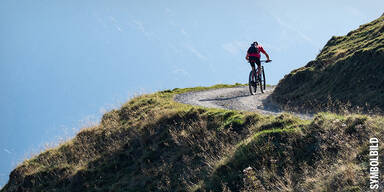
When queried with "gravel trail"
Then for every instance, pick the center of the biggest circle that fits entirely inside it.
(236, 98)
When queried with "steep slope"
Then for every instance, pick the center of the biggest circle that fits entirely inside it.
(155, 144)
(347, 74)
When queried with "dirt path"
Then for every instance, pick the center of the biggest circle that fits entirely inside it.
(237, 98)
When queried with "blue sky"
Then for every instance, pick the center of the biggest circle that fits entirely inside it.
(64, 63)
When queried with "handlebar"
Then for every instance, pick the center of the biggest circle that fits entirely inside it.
(263, 61)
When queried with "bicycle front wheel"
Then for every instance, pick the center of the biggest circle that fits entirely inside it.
(260, 81)
(263, 74)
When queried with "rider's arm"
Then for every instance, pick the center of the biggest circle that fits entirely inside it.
(247, 57)
(265, 53)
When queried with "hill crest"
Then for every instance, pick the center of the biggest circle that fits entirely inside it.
(348, 74)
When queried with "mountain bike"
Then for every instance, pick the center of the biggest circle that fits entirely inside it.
(254, 81)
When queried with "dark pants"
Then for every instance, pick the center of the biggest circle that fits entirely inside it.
(253, 60)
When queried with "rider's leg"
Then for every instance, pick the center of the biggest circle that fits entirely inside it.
(258, 67)
(253, 70)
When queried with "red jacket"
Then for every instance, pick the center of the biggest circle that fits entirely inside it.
(255, 51)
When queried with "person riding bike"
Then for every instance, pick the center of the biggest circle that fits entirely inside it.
(253, 56)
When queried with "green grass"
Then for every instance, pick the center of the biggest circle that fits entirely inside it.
(138, 117)
(155, 144)
(322, 155)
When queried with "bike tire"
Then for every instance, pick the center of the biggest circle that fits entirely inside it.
(252, 84)
(261, 83)
(264, 83)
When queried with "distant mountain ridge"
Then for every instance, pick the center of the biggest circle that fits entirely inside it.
(348, 73)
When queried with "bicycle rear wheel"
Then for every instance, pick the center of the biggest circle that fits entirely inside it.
(252, 83)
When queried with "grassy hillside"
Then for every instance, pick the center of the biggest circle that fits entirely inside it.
(348, 74)
(155, 144)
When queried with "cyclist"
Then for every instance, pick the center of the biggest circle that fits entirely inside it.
(253, 56)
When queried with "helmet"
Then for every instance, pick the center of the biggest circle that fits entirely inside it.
(254, 43)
